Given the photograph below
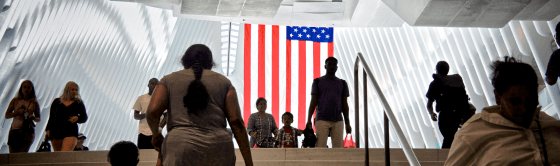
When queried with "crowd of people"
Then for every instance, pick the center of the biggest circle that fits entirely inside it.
(197, 103)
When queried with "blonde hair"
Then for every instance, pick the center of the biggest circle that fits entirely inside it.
(66, 91)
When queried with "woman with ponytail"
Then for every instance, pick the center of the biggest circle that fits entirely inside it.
(199, 102)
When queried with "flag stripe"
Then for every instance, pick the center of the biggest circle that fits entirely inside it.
(331, 49)
(288, 75)
(275, 74)
(301, 89)
(261, 61)
(247, 75)
(255, 66)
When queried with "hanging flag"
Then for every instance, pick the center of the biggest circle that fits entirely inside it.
(280, 63)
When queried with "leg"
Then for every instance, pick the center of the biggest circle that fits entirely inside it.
(322, 129)
(56, 144)
(337, 134)
(69, 143)
(159, 159)
(27, 142)
(448, 125)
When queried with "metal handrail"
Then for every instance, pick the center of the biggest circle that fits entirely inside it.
(409, 153)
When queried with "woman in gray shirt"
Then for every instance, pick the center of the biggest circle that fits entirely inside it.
(199, 101)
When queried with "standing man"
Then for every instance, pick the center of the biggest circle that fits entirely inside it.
(452, 101)
(329, 95)
(140, 108)
(553, 69)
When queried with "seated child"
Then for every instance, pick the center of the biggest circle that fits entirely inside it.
(286, 137)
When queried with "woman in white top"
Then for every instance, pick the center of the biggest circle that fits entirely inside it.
(24, 109)
(514, 132)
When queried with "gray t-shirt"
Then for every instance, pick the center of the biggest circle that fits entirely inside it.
(329, 97)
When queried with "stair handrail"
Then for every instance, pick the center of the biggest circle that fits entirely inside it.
(409, 153)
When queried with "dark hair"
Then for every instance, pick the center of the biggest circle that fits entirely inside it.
(20, 91)
(331, 59)
(197, 57)
(259, 100)
(123, 153)
(442, 68)
(289, 114)
(153, 79)
(512, 72)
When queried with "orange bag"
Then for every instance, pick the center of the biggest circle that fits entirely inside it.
(349, 142)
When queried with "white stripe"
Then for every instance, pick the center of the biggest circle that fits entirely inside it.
(294, 85)
(254, 66)
(324, 56)
(282, 70)
(308, 72)
(268, 67)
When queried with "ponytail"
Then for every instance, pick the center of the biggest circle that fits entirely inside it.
(197, 97)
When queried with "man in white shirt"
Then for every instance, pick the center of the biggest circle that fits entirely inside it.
(140, 108)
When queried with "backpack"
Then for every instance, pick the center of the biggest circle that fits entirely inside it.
(309, 140)
(454, 96)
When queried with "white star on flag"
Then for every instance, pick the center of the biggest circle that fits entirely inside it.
(308, 36)
(328, 36)
(291, 35)
(323, 31)
(313, 30)
(299, 35)
(319, 36)
(304, 30)
(295, 30)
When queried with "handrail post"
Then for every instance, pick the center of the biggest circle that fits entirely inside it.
(387, 150)
(357, 104)
(366, 118)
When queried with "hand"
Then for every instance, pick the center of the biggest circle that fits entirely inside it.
(348, 129)
(20, 111)
(73, 119)
(434, 116)
(299, 132)
(252, 133)
(48, 134)
(309, 125)
(157, 140)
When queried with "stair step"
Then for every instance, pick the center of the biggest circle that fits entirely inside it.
(256, 163)
(282, 156)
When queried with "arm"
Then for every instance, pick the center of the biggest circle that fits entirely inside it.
(345, 113)
(312, 106)
(158, 104)
(251, 125)
(233, 114)
(138, 115)
(10, 112)
(274, 126)
(431, 109)
(83, 114)
(461, 153)
(51, 117)
(36, 113)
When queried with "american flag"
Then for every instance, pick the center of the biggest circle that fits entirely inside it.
(280, 63)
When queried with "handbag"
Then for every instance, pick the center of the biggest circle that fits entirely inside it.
(349, 142)
(45, 146)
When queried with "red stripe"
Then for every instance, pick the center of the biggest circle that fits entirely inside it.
(331, 49)
(262, 85)
(316, 66)
(288, 75)
(247, 75)
(301, 89)
(275, 74)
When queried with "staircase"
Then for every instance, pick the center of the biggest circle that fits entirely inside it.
(264, 157)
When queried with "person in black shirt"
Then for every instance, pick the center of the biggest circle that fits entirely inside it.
(80, 146)
(66, 112)
(452, 100)
(553, 69)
